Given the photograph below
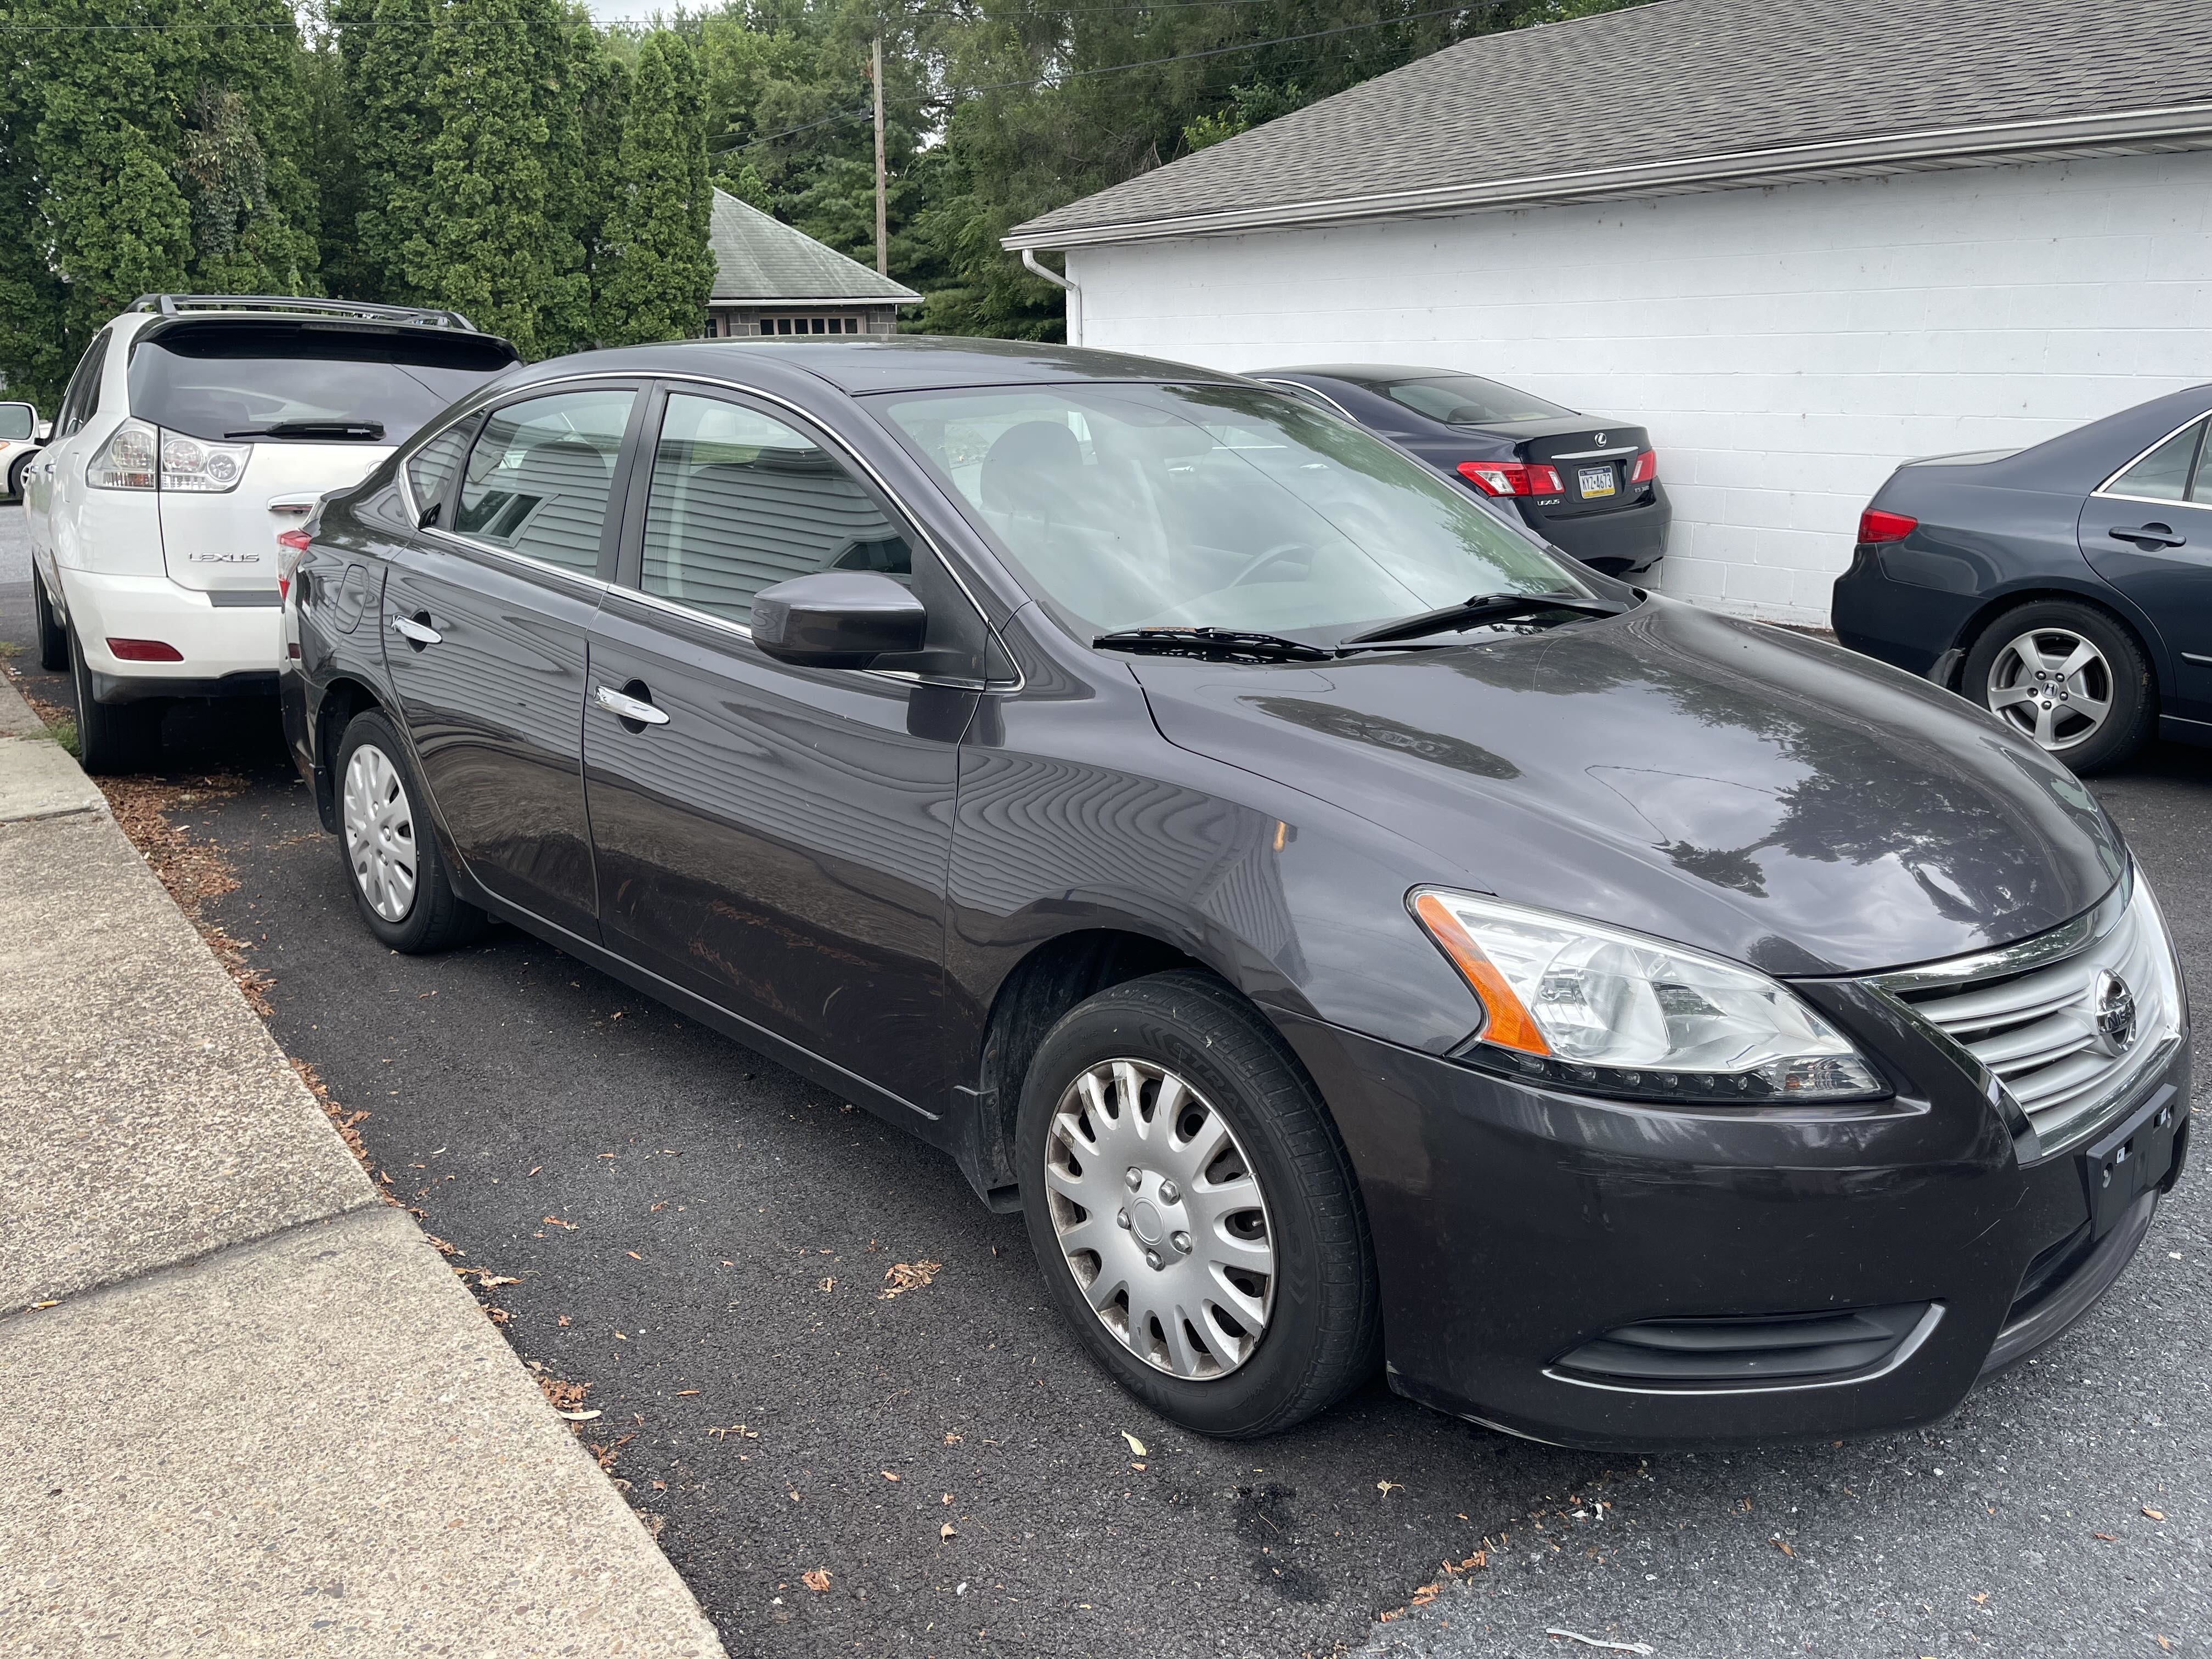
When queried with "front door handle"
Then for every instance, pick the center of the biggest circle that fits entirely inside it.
(2150, 535)
(628, 707)
(416, 631)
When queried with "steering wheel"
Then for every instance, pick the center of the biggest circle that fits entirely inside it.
(1280, 553)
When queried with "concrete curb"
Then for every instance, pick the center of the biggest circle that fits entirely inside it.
(253, 1410)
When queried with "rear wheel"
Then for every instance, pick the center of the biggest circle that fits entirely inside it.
(111, 738)
(2067, 676)
(1194, 1211)
(53, 637)
(393, 863)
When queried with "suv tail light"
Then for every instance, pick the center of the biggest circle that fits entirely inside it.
(1511, 478)
(1646, 468)
(126, 460)
(195, 464)
(144, 651)
(291, 544)
(1879, 527)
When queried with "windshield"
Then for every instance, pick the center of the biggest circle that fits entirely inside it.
(1207, 506)
(237, 380)
(1466, 400)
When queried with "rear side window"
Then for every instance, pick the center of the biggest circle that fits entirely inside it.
(17, 420)
(310, 382)
(2164, 474)
(740, 502)
(82, 400)
(1468, 401)
(431, 468)
(539, 477)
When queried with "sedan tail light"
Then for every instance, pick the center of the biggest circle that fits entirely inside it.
(1646, 468)
(293, 544)
(144, 651)
(1879, 527)
(1511, 477)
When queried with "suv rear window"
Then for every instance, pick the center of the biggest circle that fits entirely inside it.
(305, 381)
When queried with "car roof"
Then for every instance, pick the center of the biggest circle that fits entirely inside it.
(901, 362)
(1369, 374)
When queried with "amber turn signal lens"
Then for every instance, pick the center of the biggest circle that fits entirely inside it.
(1509, 1025)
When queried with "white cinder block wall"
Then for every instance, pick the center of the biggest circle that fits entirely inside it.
(1787, 347)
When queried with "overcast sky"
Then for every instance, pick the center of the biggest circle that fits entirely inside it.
(627, 11)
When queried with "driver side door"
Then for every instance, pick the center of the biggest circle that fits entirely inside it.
(2148, 532)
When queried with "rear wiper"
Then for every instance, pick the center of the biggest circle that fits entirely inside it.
(358, 431)
(1485, 608)
(1215, 644)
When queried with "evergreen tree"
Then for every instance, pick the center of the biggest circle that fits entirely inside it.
(384, 53)
(662, 270)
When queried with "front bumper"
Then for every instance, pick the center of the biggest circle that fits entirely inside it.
(1515, 1226)
(227, 650)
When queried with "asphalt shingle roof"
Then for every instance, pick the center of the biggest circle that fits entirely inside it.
(760, 259)
(1674, 81)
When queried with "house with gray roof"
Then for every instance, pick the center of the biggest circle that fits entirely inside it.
(772, 279)
(1801, 243)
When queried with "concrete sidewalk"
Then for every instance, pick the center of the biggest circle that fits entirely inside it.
(250, 1410)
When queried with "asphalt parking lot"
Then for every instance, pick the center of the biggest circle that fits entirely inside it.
(704, 1240)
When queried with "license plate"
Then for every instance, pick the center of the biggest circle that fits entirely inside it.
(1595, 481)
(2126, 1162)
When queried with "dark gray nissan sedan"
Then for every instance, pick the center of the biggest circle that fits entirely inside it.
(1355, 939)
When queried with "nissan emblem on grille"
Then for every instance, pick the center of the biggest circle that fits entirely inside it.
(2116, 1013)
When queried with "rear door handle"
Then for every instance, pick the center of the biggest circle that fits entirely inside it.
(628, 707)
(2150, 535)
(417, 633)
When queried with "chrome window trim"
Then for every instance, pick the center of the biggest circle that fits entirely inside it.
(2116, 473)
(1592, 454)
(2153, 501)
(1294, 387)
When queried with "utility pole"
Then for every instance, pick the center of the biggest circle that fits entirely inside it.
(883, 245)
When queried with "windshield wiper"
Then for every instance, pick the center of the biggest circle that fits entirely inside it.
(358, 431)
(1484, 608)
(1215, 644)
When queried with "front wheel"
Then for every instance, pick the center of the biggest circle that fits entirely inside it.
(2067, 676)
(1194, 1211)
(393, 862)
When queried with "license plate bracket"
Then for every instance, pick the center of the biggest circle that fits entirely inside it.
(2128, 1159)
(1594, 482)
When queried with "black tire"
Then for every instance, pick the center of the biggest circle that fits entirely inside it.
(1322, 1331)
(111, 738)
(15, 478)
(2122, 676)
(53, 637)
(432, 916)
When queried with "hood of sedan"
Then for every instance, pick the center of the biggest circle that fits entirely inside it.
(1753, 792)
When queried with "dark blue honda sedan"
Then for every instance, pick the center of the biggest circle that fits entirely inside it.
(2066, 587)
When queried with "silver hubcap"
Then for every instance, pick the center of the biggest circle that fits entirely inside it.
(2053, 685)
(1160, 1219)
(380, 833)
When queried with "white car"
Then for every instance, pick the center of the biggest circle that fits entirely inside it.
(195, 431)
(22, 434)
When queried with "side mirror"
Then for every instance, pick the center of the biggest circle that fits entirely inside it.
(18, 420)
(838, 619)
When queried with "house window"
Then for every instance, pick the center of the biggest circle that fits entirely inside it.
(811, 325)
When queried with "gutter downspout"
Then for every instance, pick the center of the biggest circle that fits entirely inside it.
(1074, 294)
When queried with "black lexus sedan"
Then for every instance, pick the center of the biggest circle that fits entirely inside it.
(1346, 932)
(1588, 486)
(2066, 587)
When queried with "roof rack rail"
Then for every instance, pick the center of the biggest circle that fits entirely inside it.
(170, 305)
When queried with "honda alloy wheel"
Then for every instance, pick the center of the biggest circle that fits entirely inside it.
(2053, 685)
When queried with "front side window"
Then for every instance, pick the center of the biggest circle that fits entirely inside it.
(431, 468)
(80, 402)
(1213, 506)
(2164, 474)
(538, 479)
(739, 500)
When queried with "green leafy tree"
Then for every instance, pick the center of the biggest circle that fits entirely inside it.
(379, 172)
(659, 272)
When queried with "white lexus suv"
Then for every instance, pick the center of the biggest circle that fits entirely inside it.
(196, 430)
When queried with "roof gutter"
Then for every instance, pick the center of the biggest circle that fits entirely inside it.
(1030, 264)
(2183, 125)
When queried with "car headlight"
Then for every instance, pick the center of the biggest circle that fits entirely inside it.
(1584, 1006)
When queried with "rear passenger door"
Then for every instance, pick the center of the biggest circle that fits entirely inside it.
(772, 838)
(485, 614)
(2148, 532)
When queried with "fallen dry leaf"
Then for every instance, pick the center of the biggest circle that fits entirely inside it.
(2104, 1537)
(817, 1581)
(902, 1276)
(1785, 1549)
(828, 1285)
(888, 1475)
(633, 1256)
(1426, 1594)
(946, 1531)
(681, 1393)
(2155, 1515)
(1139, 1467)
(1386, 1487)
(952, 1439)
(1136, 1446)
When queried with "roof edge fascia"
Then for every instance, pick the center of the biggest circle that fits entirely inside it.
(904, 297)
(1966, 146)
